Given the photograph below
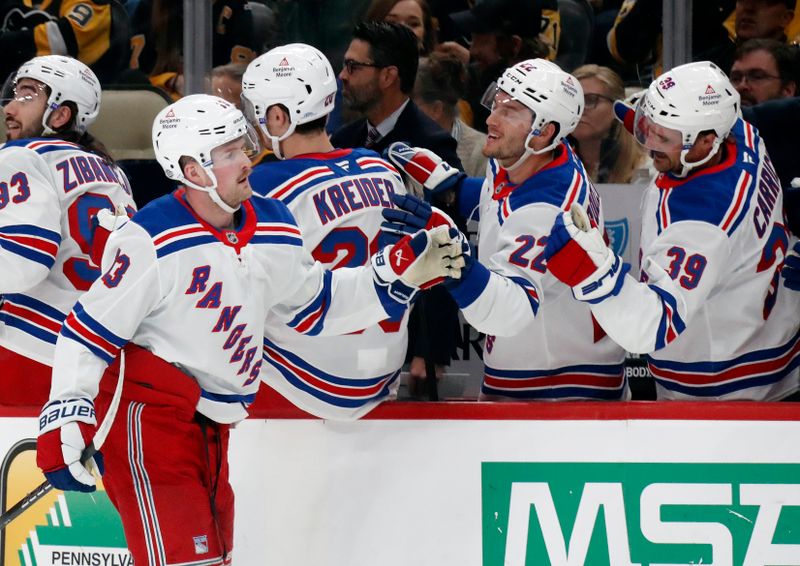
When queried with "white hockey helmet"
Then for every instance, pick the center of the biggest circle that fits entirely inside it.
(297, 76)
(551, 94)
(69, 81)
(683, 102)
(192, 127)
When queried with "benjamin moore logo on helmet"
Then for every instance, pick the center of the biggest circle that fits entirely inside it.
(169, 120)
(569, 87)
(710, 97)
(284, 69)
(87, 76)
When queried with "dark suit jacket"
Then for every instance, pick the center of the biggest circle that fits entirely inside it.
(435, 334)
(412, 127)
(778, 122)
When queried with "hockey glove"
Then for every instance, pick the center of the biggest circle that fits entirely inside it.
(411, 215)
(577, 255)
(66, 428)
(419, 262)
(424, 167)
(625, 110)
(103, 223)
(791, 269)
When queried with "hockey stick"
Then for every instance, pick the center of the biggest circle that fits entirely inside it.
(95, 445)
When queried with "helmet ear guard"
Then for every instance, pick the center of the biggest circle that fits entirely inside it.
(296, 76)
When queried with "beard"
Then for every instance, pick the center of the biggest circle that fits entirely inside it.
(360, 101)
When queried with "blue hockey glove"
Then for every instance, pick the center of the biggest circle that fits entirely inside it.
(791, 269)
(411, 215)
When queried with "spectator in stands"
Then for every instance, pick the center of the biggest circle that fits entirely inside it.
(763, 19)
(416, 14)
(380, 67)
(575, 39)
(226, 82)
(157, 43)
(753, 19)
(441, 83)
(636, 37)
(764, 69)
(503, 32)
(609, 155)
(96, 32)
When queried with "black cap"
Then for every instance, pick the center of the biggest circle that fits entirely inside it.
(510, 17)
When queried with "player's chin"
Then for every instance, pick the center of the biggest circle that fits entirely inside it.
(13, 132)
(661, 162)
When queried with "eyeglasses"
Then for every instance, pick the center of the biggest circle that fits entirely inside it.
(351, 65)
(752, 77)
(591, 100)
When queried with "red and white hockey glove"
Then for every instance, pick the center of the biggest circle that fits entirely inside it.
(577, 255)
(103, 223)
(419, 262)
(66, 428)
(424, 167)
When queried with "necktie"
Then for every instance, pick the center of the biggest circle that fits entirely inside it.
(372, 136)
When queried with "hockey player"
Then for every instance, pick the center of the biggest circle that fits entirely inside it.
(186, 284)
(337, 197)
(540, 344)
(709, 306)
(54, 178)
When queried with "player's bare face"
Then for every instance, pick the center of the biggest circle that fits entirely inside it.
(231, 165)
(508, 126)
(23, 114)
(359, 78)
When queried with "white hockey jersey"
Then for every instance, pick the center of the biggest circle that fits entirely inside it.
(541, 344)
(710, 307)
(337, 199)
(197, 297)
(49, 191)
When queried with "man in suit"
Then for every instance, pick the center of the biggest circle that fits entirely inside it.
(378, 74)
(380, 67)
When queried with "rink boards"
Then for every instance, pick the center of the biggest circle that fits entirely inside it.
(470, 484)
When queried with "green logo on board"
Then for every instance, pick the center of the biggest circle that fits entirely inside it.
(83, 529)
(626, 514)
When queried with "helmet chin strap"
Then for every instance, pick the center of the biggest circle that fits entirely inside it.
(687, 167)
(212, 192)
(530, 151)
(46, 129)
(275, 141)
